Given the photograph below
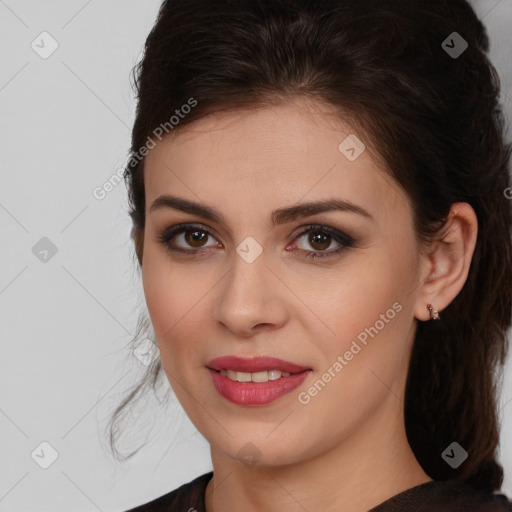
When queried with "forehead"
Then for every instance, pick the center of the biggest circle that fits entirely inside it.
(285, 152)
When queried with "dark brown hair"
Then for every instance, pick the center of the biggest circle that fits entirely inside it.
(435, 119)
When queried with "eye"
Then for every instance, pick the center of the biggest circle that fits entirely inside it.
(190, 236)
(191, 240)
(320, 238)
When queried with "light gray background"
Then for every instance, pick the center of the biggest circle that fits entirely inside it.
(65, 324)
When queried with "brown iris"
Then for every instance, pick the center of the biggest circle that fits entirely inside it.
(314, 237)
(193, 237)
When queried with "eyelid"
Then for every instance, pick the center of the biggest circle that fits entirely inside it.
(323, 228)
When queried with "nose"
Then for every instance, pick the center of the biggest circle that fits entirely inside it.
(251, 298)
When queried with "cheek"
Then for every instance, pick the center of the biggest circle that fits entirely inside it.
(371, 320)
(159, 294)
(368, 311)
(172, 298)
(366, 288)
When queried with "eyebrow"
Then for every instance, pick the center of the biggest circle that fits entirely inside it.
(279, 216)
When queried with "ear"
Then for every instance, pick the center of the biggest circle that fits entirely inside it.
(445, 262)
(137, 235)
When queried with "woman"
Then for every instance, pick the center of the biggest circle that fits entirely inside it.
(319, 199)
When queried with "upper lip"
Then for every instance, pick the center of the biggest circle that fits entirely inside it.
(254, 364)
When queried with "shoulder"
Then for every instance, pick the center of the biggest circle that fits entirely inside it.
(187, 498)
(445, 496)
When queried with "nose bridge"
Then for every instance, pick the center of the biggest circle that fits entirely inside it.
(250, 292)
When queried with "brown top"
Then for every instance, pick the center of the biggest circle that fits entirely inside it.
(435, 496)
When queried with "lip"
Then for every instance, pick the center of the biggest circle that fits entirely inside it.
(256, 393)
(254, 364)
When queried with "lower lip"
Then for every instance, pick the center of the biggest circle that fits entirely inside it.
(256, 393)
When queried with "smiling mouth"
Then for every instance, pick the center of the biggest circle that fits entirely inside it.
(256, 388)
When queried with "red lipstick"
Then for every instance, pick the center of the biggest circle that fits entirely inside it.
(255, 393)
(254, 364)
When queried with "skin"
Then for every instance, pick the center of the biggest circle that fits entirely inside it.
(347, 448)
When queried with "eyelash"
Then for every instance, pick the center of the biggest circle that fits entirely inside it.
(346, 242)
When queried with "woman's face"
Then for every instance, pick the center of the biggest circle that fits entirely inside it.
(251, 287)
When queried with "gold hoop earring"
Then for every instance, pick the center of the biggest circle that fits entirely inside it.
(434, 315)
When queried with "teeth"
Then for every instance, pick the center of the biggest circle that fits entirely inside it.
(264, 376)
